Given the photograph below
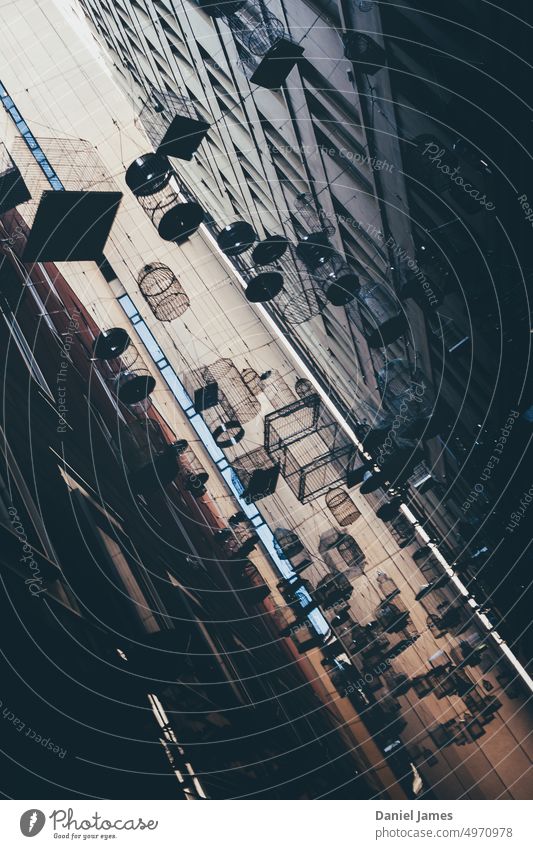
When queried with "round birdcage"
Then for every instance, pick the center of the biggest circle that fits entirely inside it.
(133, 387)
(170, 306)
(342, 507)
(352, 555)
(241, 400)
(148, 174)
(298, 305)
(111, 343)
(129, 357)
(175, 221)
(260, 40)
(163, 292)
(155, 279)
(287, 543)
(252, 381)
(303, 387)
(312, 215)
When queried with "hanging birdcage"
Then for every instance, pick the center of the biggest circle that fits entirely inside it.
(111, 343)
(277, 390)
(134, 387)
(388, 588)
(172, 124)
(194, 474)
(303, 387)
(175, 220)
(312, 449)
(252, 381)
(243, 405)
(300, 300)
(163, 292)
(129, 357)
(342, 507)
(257, 474)
(332, 589)
(352, 555)
(337, 280)
(287, 543)
(311, 215)
(266, 53)
(381, 320)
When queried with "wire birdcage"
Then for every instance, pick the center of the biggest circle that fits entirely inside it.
(352, 554)
(313, 451)
(312, 216)
(174, 219)
(387, 587)
(252, 381)
(194, 474)
(257, 473)
(287, 543)
(222, 384)
(303, 387)
(134, 387)
(291, 422)
(277, 390)
(129, 357)
(163, 292)
(380, 318)
(342, 507)
(172, 124)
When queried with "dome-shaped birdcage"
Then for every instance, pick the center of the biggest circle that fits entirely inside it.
(303, 387)
(252, 381)
(174, 219)
(269, 250)
(342, 507)
(163, 292)
(301, 299)
(148, 174)
(111, 343)
(133, 387)
(312, 216)
(236, 238)
(129, 357)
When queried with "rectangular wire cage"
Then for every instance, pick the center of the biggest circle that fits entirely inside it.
(313, 452)
(291, 423)
(257, 473)
(316, 462)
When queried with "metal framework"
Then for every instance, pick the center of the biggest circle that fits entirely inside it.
(163, 292)
(313, 451)
(342, 507)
